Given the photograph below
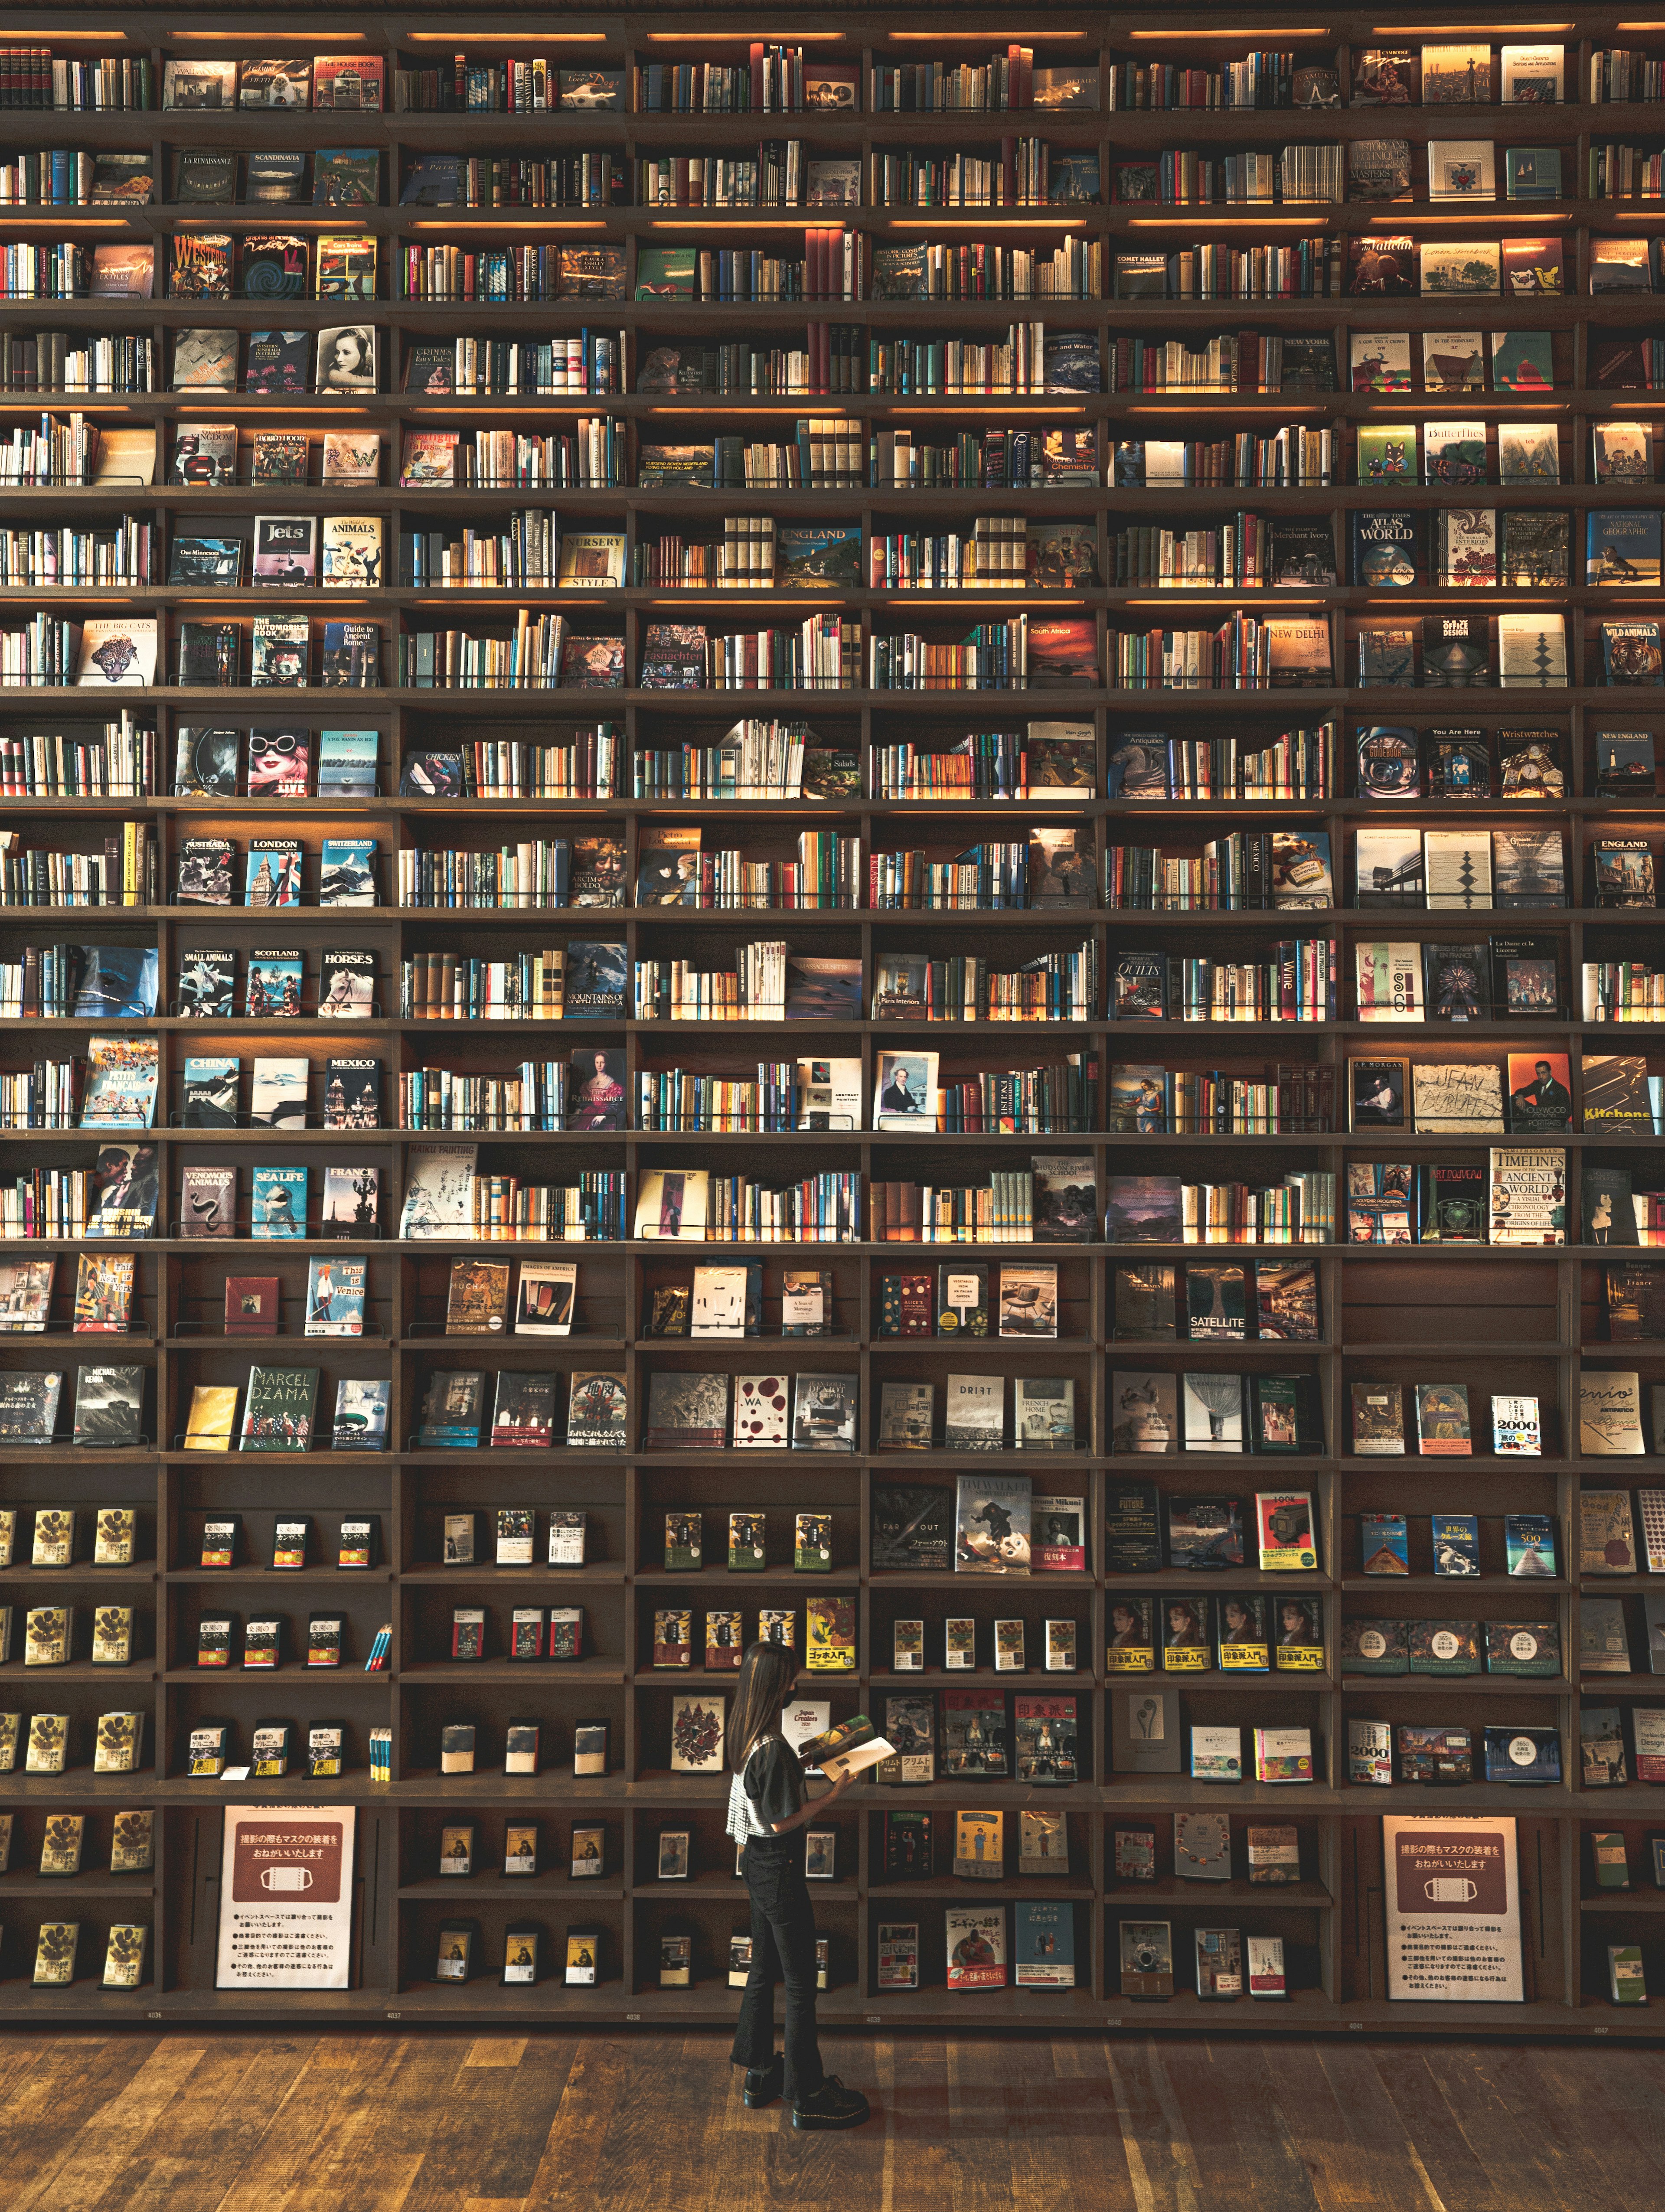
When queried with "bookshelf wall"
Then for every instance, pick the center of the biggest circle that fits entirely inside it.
(1506, 1320)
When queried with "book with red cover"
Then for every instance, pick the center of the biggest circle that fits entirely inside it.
(1533, 269)
(1063, 649)
(252, 1305)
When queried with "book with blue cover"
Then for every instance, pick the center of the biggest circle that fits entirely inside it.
(360, 1414)
(347, 764)
(278, 1202)
(272, 991)
(1529, 1543)
(272, 872)
(335, 1294)
(117, 981)
(1532, 172)
(210, 1091)
(1383, 1543)
(1044, 1949)
(348, 872)
(1621, 548)
(1457, 1540)
(451, 1409)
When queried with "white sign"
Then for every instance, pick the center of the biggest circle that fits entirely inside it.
(1454, 1908)
(286, 1898)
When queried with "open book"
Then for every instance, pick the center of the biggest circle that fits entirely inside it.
(850, 1748)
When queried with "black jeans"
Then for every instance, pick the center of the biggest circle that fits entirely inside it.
(782, 1948)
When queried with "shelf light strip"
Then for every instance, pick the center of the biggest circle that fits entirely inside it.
(1464, 30)
(742, 38)
(499, 220)
(1260, 30)
(997, 37)
(264, 40)
(495, 39)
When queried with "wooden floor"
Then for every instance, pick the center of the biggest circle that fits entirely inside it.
(437, 2123)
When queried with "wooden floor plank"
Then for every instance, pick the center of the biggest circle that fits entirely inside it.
(1497, 2098)
(298, 2130)
(981, 2163)
(1161, 2165)
(1060, 2125)
(1517, 2160)
(478, 2130)
(70, 2082)
(496, 2050)
(223, 2146)
(918, 2113)
(117, 2129)
(1426, 2123)
(1242, 2077)
(1204, 2126)
(1350, 2172)
(208, 2131)
(566, 2173)
(555, 2123)
(1574, 2117)
(830, 2171)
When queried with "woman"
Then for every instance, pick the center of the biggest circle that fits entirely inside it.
(766, 1803)
(1127, 1628)
(600, 1098)
(347, 360)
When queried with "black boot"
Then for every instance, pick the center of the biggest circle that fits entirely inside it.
(763, 2083)
(832, 2106)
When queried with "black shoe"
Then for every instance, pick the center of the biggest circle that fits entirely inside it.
(764, 2084)
(832, 2106)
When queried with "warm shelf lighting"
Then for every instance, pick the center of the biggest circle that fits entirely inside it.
(264, 40)
(1184, 393)
(730, 38)
(1464, 30)
(1396, 403)
(800, 222)
(1202, 215)
(497, 38)
(1010, 38)
(989, 221)
(495, 222)
(1260, 31)
(965, 402)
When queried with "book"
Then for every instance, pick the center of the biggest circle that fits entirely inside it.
(1146, 1958)
(973, 1417)
(976, 1942)
(911, 1526)
(992, 1525)
(277, 1410)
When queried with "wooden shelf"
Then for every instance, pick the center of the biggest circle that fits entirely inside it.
(1506, 1319)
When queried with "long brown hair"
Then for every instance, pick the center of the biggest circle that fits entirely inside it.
(767, 1674)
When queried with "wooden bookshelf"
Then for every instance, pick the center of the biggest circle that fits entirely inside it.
(1506, 1319)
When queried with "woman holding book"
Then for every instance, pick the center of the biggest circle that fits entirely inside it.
(766, 1803)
